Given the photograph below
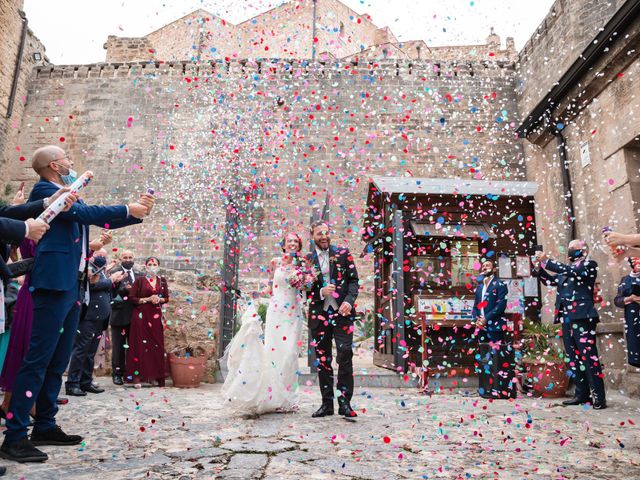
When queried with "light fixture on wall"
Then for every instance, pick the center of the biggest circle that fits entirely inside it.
(37, 56)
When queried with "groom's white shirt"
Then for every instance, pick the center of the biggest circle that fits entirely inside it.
(323, 259)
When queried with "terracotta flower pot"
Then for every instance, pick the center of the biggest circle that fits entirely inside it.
(187, 372)
(548, 379)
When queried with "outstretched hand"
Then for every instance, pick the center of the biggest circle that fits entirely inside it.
(141, 208)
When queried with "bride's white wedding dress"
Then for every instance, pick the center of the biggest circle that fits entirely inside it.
(262, 376)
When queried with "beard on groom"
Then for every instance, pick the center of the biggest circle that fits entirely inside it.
(331, 317)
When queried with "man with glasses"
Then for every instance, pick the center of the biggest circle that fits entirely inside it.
(59, 283)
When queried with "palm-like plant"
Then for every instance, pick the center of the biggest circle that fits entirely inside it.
(539, 342)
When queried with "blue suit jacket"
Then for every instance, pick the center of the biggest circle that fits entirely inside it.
(100, 295)
(496, 299)
(58, 253)
(574, 284)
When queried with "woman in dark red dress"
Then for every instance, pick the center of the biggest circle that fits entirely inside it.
(146, 358)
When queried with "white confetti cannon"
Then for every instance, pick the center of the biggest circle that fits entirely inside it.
(56, 207)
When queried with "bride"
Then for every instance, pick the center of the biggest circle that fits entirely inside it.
(262, 377)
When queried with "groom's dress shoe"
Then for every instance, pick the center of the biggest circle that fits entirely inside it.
(346, 410)
(576, 401)
(600, 405)
(323, 411)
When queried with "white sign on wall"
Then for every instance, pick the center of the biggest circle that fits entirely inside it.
(585, 156)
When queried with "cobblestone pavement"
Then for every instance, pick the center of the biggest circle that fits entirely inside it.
(171, 433)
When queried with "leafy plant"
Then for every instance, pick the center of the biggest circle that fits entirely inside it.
(539, 342)
(262, 312)
(365, 321)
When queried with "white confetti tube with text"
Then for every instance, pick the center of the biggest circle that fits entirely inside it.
(56, 207)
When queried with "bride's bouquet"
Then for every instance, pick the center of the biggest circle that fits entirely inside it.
(302, 277)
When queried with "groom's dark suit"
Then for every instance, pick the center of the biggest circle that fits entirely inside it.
(327, 324)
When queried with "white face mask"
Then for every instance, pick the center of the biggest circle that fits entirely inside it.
(153, 269)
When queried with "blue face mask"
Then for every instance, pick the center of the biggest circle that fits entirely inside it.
(70, 177)
(574, 254)
(99, 261)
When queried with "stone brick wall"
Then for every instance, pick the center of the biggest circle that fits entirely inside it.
(601, 125)
(565, 32)
(133, 49)
(10, 35)
(281, 135)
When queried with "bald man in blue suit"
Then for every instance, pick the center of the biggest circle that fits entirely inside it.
(59, 283)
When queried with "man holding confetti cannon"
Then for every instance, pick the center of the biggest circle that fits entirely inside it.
(59, 283)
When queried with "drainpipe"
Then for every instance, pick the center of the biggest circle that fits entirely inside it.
(566, 179)
(313, 35)
(16, 70)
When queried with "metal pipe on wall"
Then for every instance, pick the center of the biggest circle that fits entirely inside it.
(16, 70)
(566, 180)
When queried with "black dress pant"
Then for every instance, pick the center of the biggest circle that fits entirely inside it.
(579, 339)
(496, 375)
(340, 329)
(85, 346)
(119, 338)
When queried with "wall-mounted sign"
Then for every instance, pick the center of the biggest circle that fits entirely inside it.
(585, 155)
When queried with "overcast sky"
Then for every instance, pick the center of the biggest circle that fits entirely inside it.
(74, 31)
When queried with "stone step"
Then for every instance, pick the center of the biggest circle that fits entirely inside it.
(376, 377)
(368, 380)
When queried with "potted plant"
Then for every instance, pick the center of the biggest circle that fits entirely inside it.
(543, 361)
(187, 364)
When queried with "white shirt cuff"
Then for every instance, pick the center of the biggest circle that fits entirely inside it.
(321, 295)
(127, 207)
(26, 229)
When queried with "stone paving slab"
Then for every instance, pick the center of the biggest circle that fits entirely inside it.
(189, 434)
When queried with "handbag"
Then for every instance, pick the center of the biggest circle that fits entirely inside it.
(20, 268)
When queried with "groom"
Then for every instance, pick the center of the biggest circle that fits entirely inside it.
(331, 316)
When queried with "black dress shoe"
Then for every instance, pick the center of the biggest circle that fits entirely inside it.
(92, 388)
(117, 380)
(600, 406)
(323, 411)
(576, 401)
(55, 436)
(22, 451)
(3, 470)
(346, 410)
(75, 392)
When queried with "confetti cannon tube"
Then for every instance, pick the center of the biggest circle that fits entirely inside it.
(56, 207)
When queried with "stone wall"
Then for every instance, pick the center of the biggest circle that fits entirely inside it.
(565, 32)
(280, 135)
(600, 122)
(283, 32)
(10, 35)
(128, 49)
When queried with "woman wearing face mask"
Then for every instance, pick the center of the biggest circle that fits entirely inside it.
(146, 358)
